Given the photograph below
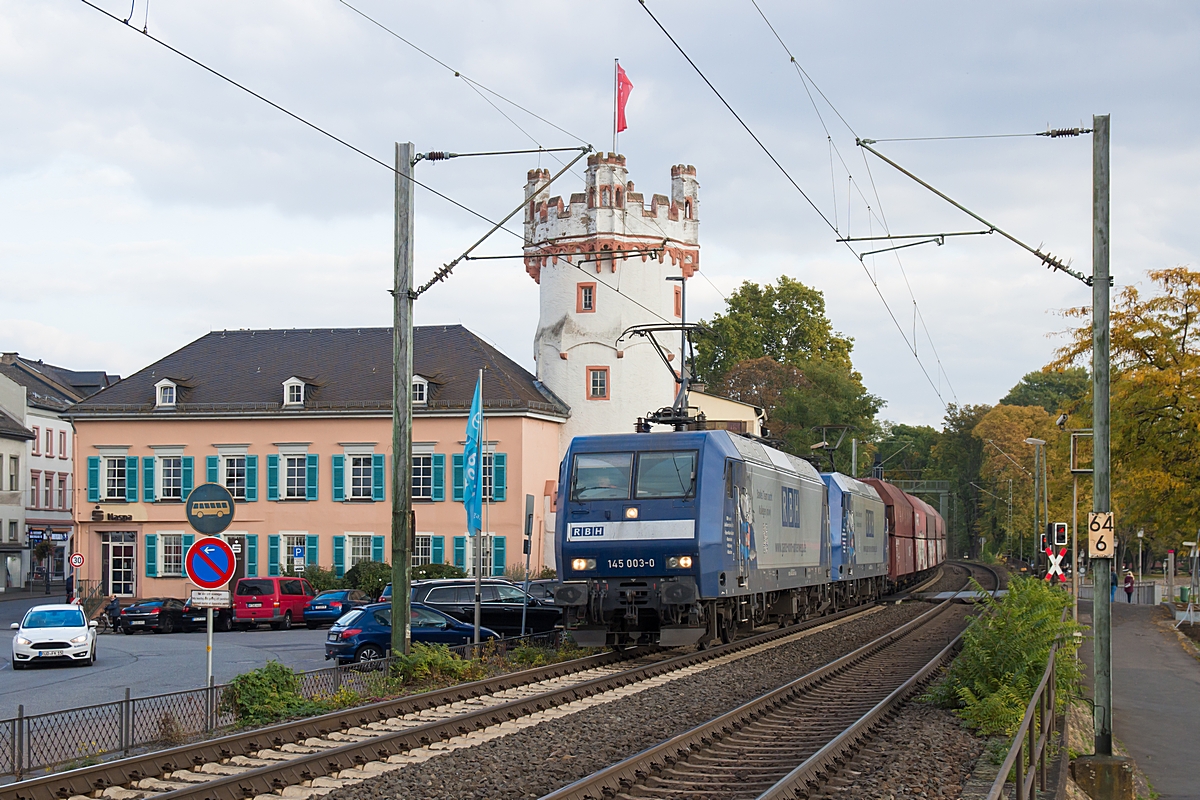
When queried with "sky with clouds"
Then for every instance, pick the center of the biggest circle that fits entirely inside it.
(145, 202)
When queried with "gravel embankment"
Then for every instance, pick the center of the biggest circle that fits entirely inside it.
(923, 753)
(538, 760)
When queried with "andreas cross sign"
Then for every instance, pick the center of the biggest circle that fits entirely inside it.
(209, 563)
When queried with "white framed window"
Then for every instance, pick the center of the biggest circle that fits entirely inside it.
(296, 472)
(422, 549)
(171, 547)
(114, 478)
(597, 383)
(360, 549)
(288, 558)
(62, 492)
(360, 477)
(49, 449)
(34, 477)
(235, 476)
(293, 392)
(170, 470)
(420, 391)
(165, 393)
(488, 472)
(485, 540)
(47, 490)
(422, 477)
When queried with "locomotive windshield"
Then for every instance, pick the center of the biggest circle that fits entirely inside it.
(601, 476)
(666, 474)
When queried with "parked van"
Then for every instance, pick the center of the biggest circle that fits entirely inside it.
(279, 601)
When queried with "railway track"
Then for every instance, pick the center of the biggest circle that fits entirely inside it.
(788, 741)
(301, 756)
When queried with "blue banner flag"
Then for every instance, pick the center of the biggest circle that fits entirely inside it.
(473, 464)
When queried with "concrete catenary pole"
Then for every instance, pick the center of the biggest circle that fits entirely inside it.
(1101, 499)
(402, 365)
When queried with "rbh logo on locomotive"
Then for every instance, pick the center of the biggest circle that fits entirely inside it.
(628, 531)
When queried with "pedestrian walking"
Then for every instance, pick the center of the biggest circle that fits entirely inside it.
(70, 586)
(113, 610)
(1112, 586)
(1128, 586)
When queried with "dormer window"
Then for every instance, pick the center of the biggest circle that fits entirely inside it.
(165, 392)
(420, 390)
(293, 392)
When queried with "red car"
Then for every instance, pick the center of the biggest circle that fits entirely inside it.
(278, 601)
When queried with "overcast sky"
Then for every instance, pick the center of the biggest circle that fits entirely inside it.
(145, 202)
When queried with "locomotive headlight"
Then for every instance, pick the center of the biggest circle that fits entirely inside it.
(672, 563)
(582, 564)
(685, 562)
(631, 512)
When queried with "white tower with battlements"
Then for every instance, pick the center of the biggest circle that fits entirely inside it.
(595, 263)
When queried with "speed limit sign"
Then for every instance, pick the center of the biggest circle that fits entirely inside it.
(77, 560)
(1100, 534)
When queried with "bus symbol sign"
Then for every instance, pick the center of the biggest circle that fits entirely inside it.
(210, 508)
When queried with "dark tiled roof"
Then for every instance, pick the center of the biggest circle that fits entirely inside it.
(11, 429)
(348, 369)
(40, 392)
(84, 383)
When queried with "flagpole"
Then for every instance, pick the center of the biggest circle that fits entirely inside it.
(616, 93)
(479, 533)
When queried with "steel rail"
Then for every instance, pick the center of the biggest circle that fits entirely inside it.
(86, 780)
(616, 778)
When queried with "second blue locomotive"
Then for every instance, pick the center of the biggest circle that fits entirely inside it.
(686, 537)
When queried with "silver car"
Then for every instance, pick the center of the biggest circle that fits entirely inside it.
(54, 633)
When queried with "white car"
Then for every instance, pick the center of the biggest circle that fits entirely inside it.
(54, 633)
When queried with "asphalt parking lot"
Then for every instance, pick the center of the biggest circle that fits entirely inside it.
(147, 663)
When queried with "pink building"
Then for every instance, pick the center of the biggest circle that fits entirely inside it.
(297, 424)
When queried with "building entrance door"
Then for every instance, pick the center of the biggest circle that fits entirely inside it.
(119, 563)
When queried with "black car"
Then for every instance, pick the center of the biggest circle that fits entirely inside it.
(158, 614)
(196, 619)
(501, 604)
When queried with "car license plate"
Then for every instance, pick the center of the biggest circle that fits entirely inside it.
(320, 608)
(333, 637)
(253, 605)
(50, 652)
(138, 622)
(199, 619)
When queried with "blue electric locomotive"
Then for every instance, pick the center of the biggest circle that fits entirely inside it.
(685, 537)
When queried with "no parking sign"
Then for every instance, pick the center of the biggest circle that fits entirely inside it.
(209, 563)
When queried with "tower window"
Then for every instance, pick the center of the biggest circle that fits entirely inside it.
(597, 388)
(585, 298)
(678, 301)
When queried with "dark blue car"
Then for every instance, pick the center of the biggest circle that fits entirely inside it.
(327, 607)
(366, 633)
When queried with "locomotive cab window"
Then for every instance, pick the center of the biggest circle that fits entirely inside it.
(601, 476)
(670, 474)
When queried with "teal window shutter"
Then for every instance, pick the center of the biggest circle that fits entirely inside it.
(272, 477)
(339, 556)
(377, 478)
(212, 469)
(312, 550)
(148, 479)
(93, 478)
(339, 479)
(131, 479)
(437, 550)
(251, 555)
(377, 550)
(151, 555)
(460, 552)
(187, 540)
(499, 477)
(310, 478)
(498, 556)
(187, 480)
(439, 478)
(458, 477)
(251, 479)
(273, 554)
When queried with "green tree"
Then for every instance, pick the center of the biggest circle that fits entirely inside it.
(1053, 389)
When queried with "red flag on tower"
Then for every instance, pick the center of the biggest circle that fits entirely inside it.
(624, 87)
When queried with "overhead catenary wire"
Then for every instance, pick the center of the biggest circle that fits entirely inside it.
(798, 188)
(302, 120)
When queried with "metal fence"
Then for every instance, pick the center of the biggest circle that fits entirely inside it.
(60, 740)
(1146, 593)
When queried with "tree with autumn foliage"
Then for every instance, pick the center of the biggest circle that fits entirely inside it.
(1154, 404)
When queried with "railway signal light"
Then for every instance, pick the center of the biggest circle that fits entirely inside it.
(1060, 534)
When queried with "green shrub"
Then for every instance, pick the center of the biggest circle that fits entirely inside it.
(370, 577)
(1004, 655)
(320, 578)
(428, 571)
(265, 695)
(435, 662)
(548, 574)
